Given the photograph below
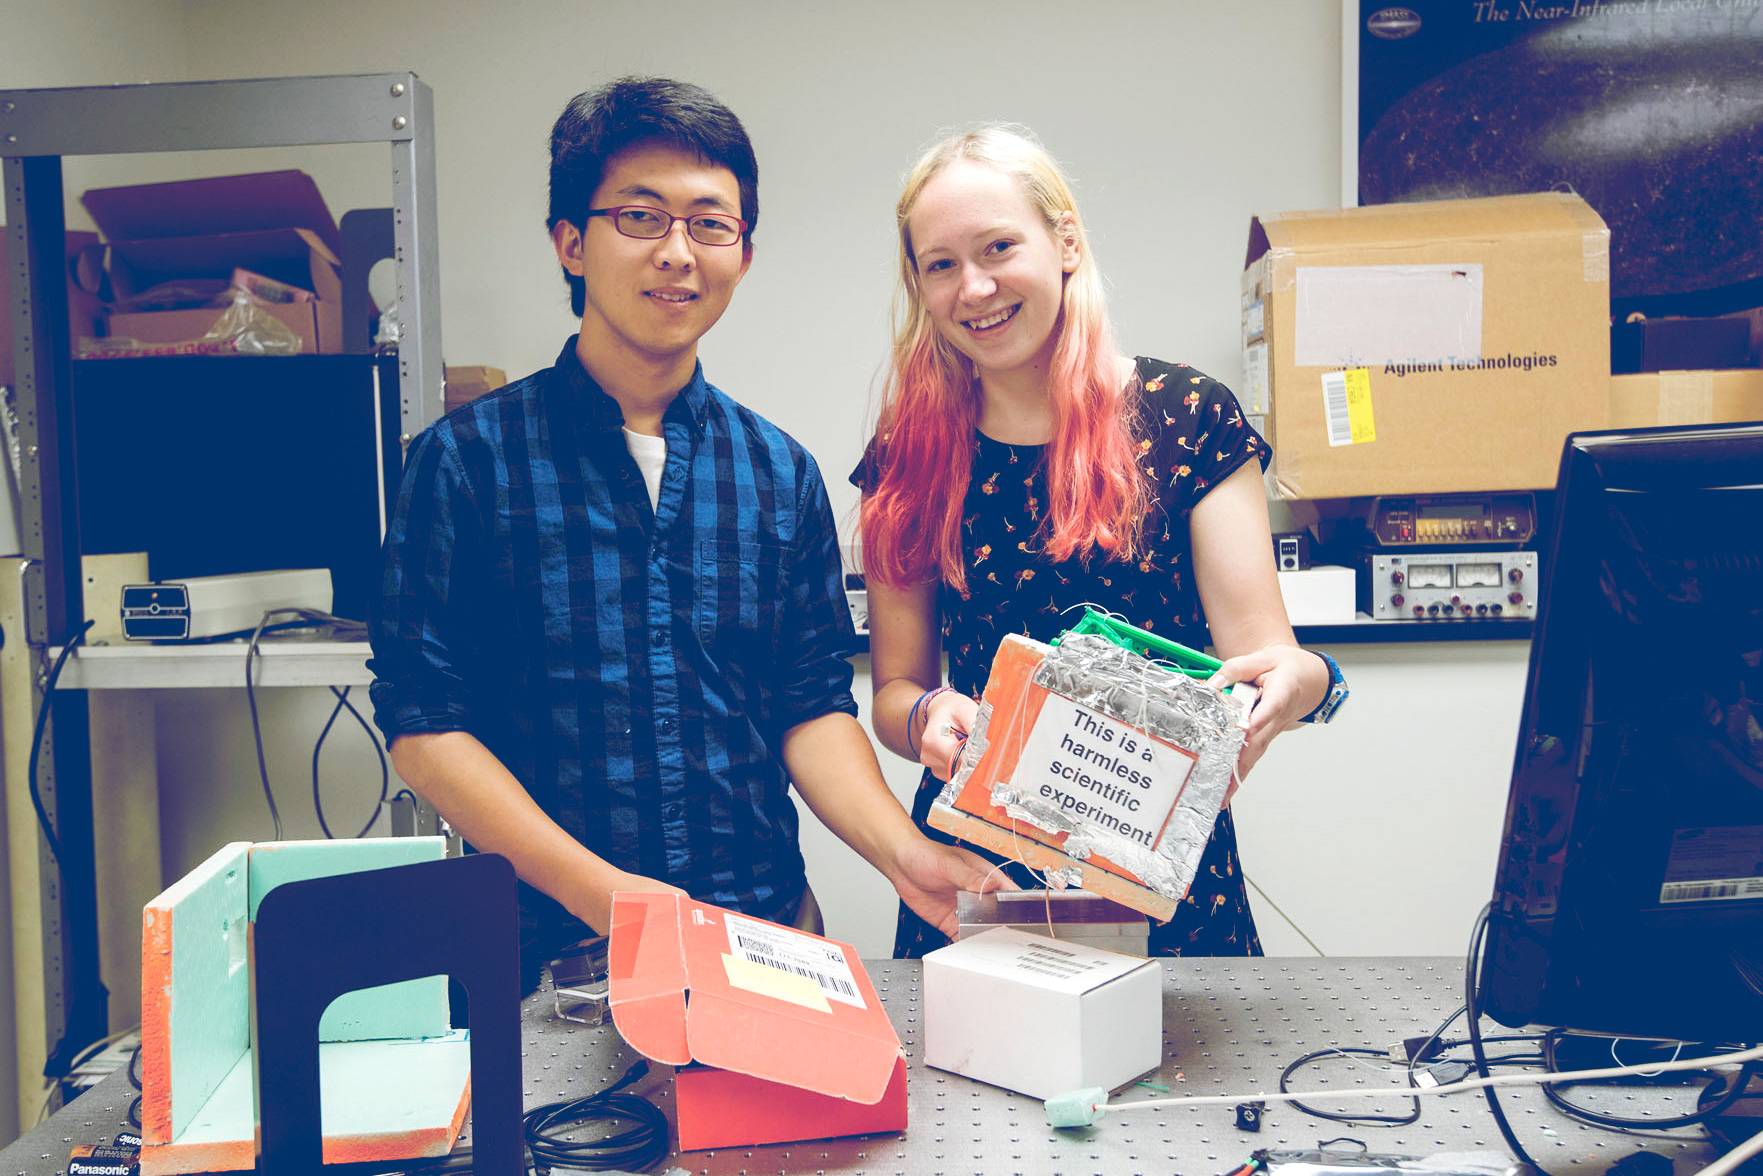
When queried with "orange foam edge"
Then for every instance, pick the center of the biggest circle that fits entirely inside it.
(240, 1155)
(156, 1024)
(1016, 701)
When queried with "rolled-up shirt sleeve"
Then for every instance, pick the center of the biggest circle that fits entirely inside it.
(423, 647)
(818, 638)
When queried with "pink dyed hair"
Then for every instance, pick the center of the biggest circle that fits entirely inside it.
(923, 450)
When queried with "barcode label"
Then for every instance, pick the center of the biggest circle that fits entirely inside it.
(1712, 890)
(831, 985)
(1334, 408)
(797, 953)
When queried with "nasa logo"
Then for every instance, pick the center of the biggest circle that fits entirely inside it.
(1392, 24)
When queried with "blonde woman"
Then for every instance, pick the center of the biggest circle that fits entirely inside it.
(1022, 465)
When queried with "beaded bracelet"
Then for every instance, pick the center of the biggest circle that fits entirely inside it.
(912, 716)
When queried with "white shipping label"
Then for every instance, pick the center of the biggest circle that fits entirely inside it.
(1255, 395)
(793, 951)
(1254, 321)
(1360, 315)
(1058, 963)
(1101, 771)
(1718, 864)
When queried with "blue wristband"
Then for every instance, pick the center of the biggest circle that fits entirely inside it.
(1337, 692)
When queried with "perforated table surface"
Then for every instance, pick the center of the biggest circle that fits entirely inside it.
(1230, 1027)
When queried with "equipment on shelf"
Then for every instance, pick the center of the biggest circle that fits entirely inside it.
(1448, 520)
(212, 606)
(1446, 585)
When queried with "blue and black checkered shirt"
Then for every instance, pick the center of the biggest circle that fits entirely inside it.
(635, 668)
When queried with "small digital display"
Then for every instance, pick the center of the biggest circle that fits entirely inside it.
(1454, 510)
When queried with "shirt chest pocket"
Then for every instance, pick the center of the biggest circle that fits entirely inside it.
(739, 592)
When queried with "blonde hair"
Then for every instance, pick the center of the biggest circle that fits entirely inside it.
(1096, 497)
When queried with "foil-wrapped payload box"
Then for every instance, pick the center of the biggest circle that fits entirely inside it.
(1096, 766)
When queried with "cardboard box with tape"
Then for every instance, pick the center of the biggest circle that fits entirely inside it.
(1426, 348)
(1647, 399)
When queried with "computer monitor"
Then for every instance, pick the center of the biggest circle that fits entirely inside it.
(215, 465)
(1629, 893)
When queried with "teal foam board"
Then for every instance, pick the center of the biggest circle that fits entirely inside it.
(410, 1009)
(365, 1088)
(209, 1006)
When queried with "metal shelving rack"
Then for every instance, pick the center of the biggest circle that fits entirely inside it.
(38, 128)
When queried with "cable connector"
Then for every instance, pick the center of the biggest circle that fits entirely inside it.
(1413, 1047)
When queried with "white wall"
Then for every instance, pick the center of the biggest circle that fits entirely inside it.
(1178, 120)
(90, 43)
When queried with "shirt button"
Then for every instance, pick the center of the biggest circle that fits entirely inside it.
(667, 726)
(659, 637)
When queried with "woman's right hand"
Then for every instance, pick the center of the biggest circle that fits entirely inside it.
(949, 717)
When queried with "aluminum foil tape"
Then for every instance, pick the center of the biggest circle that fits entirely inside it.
(1102, 677)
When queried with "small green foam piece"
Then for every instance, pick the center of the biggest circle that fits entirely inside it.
(1077, 1108)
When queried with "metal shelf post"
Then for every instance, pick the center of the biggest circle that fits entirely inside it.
(38, 128)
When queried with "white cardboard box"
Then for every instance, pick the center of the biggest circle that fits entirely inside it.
(1322, 595)
(1041, 1016)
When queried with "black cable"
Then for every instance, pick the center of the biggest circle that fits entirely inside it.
(385, 773)
(37, 740)
(633, 1149)
(275, 815)
(1706, 1109)
(1387, 1120)
(1730, 1135)
(1473, 1012)
(133, 1071)
(305, 616)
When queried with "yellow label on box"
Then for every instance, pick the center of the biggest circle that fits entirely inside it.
(1359, 405)
(774, 982)
(1346, 407)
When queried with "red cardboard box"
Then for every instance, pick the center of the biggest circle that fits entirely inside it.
(791, 1039)
(272, 223)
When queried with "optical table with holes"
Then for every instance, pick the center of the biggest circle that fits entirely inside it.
(1230, 1027)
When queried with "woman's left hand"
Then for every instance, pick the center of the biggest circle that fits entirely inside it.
(1292, 682)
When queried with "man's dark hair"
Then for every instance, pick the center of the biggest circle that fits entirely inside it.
(600, 123)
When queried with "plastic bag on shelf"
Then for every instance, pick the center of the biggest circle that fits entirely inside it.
(245, 327)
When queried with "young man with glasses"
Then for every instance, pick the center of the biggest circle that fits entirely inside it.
(613, 630)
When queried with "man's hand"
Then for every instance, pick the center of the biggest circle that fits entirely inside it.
(928, 875)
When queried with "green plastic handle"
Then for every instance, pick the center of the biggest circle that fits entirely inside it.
(1191, 662)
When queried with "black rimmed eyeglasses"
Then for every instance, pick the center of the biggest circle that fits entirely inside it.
(652, 224)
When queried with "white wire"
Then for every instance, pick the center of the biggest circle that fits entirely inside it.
(1733, 1059)
(1735, 1157)
(1616, 1041)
